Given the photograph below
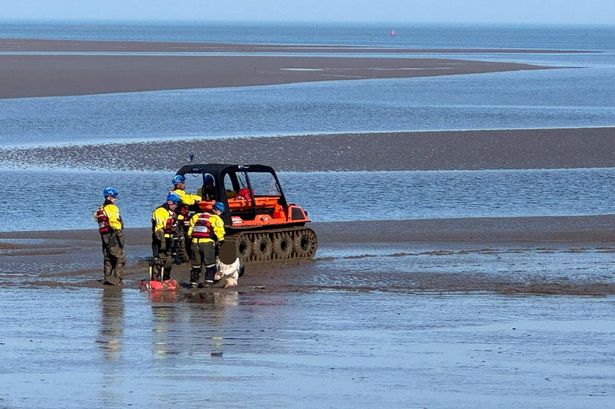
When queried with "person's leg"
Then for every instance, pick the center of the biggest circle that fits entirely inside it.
(209, 259)
(188, 244)
(168, 259)
(195, 261)
(116, 251)
(157, 263)
(182, 247)
(107, 263)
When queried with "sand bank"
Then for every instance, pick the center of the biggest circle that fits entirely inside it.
(470, 150)
(33, 75)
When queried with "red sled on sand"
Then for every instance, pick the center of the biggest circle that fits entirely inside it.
(157, 285)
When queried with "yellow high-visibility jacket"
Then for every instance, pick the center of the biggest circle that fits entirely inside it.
(216, 223)
(187, 198)
(113, 213)
(163, 219)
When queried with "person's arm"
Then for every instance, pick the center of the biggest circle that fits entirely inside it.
(160, 217)
(187, 199)
(113, 213)
(218, 227)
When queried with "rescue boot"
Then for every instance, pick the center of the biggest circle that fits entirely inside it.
(107, 271)
(112, 280)
(166, 274)
(194, 276)
(210, 273)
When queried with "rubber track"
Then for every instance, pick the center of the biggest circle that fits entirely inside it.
(302, 241)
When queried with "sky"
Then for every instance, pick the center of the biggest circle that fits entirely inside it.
(412, 11)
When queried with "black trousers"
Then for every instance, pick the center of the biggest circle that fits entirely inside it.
(113, 255)
(162, 250)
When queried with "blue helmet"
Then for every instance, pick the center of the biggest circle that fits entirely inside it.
(110, 191)
(208, 180)
(219, 206)
(179, 179)
(173, 197)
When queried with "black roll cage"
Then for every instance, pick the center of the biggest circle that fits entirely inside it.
(219, 171)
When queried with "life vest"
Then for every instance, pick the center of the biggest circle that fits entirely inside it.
(202, 227)
(169, 226)
(103, 221)
(183, 214)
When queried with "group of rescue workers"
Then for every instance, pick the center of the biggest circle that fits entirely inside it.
(181, 232)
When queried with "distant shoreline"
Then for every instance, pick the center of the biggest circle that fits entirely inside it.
(52, 73)
(33, 44)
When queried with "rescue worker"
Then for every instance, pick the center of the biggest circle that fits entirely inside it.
(208, 191)
(206, 230)
(164, 230)
(111, 229)
(187, 201)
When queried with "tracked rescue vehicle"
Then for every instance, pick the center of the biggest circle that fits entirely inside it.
(259, 221)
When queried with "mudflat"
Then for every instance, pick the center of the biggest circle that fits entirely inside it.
(463, 150)
(34, 72)
(404, 253)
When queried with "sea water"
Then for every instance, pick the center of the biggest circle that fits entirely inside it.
(579, 93)
(579, 97)
(71, 197)
(408, 35)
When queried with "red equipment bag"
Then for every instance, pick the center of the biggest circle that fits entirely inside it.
(153, 285)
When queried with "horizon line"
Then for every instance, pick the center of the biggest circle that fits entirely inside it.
(297, 22)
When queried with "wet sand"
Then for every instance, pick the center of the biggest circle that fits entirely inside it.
(34, 75)
(462, 150)
(430, 313)
(351, 257)
(104, 348)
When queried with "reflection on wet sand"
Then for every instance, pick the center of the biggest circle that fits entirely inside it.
(214, 313)
(205, 318)
(329, 348)
(111, 323)
(110, 343)
(163, 319)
